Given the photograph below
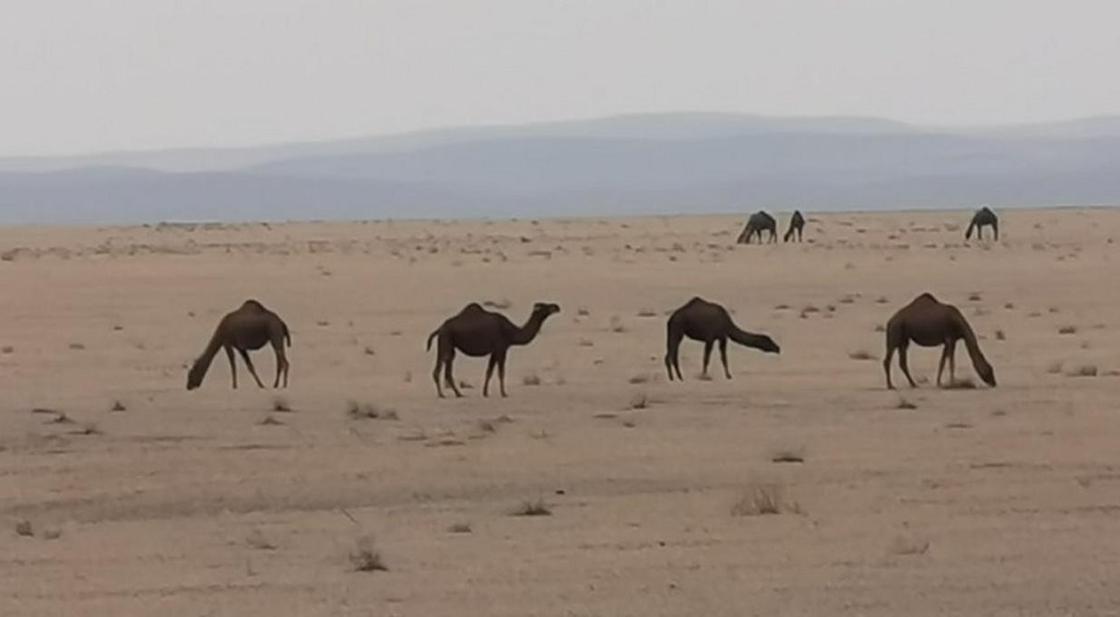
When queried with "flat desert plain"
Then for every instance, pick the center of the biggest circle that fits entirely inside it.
(802, 486)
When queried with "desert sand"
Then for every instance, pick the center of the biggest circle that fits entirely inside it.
(982, 501)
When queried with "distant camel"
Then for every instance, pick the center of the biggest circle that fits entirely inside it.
(983, 217)
(756, 224)
(929, 323)
(246, 329)
(707, 322)
(797, 223)
(476, 332)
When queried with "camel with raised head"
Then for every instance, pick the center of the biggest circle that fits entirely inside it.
(929, 323)
(756, 224)
(796, 223)
(247, 329)
(983, 217)
(708, 323)
(478, 332)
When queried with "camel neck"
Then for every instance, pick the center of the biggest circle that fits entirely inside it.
(526, 333)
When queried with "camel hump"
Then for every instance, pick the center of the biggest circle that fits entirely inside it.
(473, 307)
(926, 297)
(253, 304)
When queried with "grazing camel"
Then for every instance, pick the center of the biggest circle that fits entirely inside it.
(930, 323)
(983, 216)
(247, 329)
(477, 332)
(756, 224)
(708, 322)
(797, 223)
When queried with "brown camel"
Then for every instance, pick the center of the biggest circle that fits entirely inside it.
(477, 332)
(246, 329)
(796, 223)
(983, 217)
(929, 323)
(756, 224)
(708, 323)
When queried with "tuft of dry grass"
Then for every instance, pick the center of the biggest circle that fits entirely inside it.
(369, 351)
(535, 507)
(24, 529)
(861, 354)
(905, 404)
(460, 528)
(647, 312)
(908, 546)
(640, 378)
(1054, 367)
(1000, 336)
(281, 405)
(365, 557)
(974, 297)
(639, 401)
(583, 311)
(1067, 330)
(532, 379)
(118, 406)
(270, 421)
(369, 411)
(764, 499)
(1085, 370)
(788, 456)
(616, 325)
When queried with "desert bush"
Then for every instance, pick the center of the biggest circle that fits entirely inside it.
(535, 507)
(365, 557)
(861, 354)
(532, 379)
(763, 499)
(1067, 330)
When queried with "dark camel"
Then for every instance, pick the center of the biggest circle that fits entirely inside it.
(983, 217)
(797, 223)
(477, 332)
(756, 224)
(929, 323)
(708, 323)
(247, 329)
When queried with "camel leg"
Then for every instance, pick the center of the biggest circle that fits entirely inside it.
(232, 365)
(951, 349)
(673, 351)
(447, 374)
(887, 366)
(941, 363)
(707, 357)
(723, 357)
(281, 363)
(995, 229)
(435, 374)
(902, 362)
(502, 373)
(489, 371)
(252, 369)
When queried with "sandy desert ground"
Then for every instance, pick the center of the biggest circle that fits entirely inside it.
(1000, 501)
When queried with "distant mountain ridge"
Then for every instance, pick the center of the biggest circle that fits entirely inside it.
(653, 163)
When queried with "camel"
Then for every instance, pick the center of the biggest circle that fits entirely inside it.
(984, 216)
(930, 323)
(478, 332)
(247, 329)
(797, 223)
(708, 322)
(756, 224)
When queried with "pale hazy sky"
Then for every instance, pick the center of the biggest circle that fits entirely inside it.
(87, 75)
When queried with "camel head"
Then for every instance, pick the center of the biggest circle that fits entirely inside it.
(545, 309)
(986, 372)
(195, 375)
(767, 344)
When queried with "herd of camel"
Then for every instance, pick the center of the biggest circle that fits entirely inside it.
(477, 332)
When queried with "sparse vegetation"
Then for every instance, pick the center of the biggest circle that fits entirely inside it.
(118, 406)
(788, 456)
(1000, 336)
(905, 404)
(1055, 367)
(640, 378)
(365, 557)
(535, 507)
(369, 411)
(460, 528)
(974, 297)
(583, 311)
(639, 401)
(1067, 330)
(763, 499)
(23, 528)
(1085, 370)
(861, 354)
(616, 325)
(270, 421)
(532, 379)
(256, 539)
(281, 405)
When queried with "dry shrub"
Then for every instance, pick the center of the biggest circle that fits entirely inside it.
(908, 546)
(1000, 336)
(1054, 368)
(905, 404)
(974, 297)
(7, 349)
(583, 311)
(861, 354)
(639, 401)
(23, 528)
(647, 312)
(460, 528)
(788, 456)
(369, 351)
(270, 421)
(535, 507)
(763, 499)
(281, 405)
(256, 539)
(639, 378)
(880, 328)
(616, 325)
(1067, 330)
(532, 379)
(882, 300)
(118, 406)
(365, 557)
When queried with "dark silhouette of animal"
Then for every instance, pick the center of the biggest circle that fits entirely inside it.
(796, 223)
(477, 332)
(247, 329)
(756, 224)
(708, 323)
(983, 217)
(929, 323)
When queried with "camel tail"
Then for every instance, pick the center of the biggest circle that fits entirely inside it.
(431, 337)
(287, 335)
